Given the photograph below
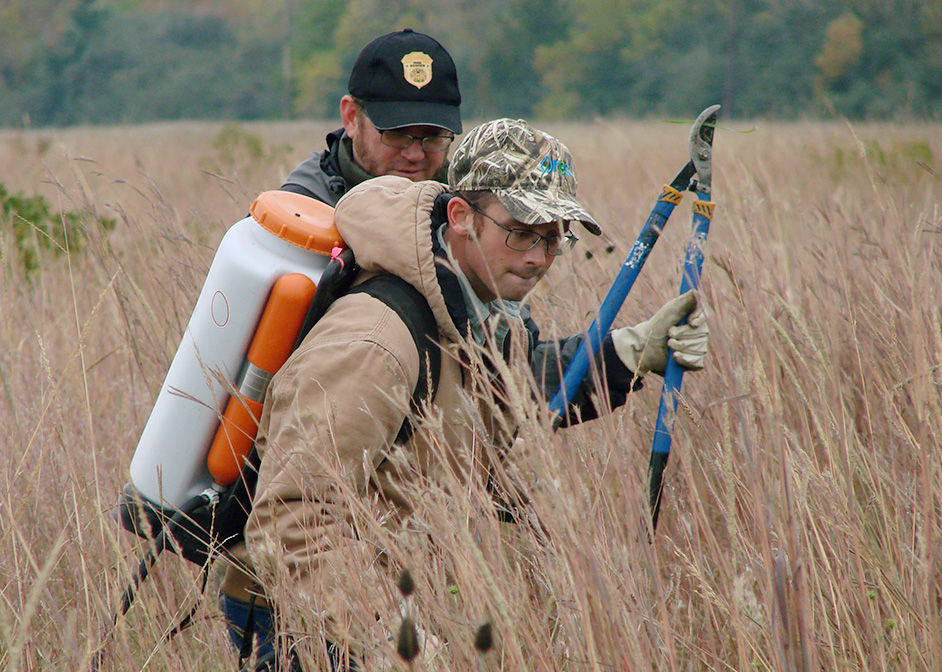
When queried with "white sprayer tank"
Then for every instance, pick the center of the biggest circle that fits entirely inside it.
(286, 233)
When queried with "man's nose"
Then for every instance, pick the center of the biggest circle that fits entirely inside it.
(537, 255)
(414, 152)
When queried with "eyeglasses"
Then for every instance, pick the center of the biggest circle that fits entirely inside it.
(430, 143)
(523, 240)
(433, 144)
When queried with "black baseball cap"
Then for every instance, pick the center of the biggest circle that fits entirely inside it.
(407, 79)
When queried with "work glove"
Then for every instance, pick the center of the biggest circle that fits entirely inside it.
(643, 348)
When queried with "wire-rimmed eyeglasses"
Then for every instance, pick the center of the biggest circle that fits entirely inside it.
(523, 240)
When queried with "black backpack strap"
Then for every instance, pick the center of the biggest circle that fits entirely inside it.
(336, 279)
(412, 307)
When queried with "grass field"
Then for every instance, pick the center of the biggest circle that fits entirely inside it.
(802, 526)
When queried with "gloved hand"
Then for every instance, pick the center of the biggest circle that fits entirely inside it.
(643, 348)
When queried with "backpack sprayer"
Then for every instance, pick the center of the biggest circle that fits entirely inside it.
(195, 467)
(244, 326)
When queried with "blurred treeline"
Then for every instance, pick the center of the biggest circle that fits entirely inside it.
(67, 62)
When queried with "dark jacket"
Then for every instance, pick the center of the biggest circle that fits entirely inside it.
(322, 175)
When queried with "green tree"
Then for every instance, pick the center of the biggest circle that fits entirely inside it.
(841, 50)
(316, 63)
(931, 56)
(589, 69)
(499, 75)
(894, 72)
(71, 77)
(121, 67)
(775, 68)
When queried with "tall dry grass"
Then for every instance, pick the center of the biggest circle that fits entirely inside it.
(802, 523)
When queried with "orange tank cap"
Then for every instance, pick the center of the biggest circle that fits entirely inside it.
(299, 220)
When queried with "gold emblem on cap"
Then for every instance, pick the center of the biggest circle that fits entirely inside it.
(417, 68)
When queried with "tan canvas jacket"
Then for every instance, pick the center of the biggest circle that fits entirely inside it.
(329, 465)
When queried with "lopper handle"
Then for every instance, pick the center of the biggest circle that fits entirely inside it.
(674, 372)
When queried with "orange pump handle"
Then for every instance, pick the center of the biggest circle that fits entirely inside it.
(271, 346)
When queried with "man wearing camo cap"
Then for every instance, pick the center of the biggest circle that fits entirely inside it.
(330, 428)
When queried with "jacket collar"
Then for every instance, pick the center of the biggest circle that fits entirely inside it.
(351, 171)
(449, 282)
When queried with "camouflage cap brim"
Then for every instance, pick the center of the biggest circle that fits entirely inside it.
(540, 207)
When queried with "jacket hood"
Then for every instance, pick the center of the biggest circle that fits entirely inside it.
(387, 223)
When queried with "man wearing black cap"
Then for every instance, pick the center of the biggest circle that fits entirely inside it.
(399, 118)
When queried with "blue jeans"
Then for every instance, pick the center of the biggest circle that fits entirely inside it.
(265, 636)
(236, 613)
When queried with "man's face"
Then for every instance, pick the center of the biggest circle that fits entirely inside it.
(374, 157)
(479, 246)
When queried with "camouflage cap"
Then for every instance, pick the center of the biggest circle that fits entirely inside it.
(530, 172)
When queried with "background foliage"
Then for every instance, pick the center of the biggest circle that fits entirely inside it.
(68, 62)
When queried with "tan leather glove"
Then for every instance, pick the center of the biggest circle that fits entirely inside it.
(643, 348)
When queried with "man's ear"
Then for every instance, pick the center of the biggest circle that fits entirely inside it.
(460, 217)
(348, 114)
(440, 208)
